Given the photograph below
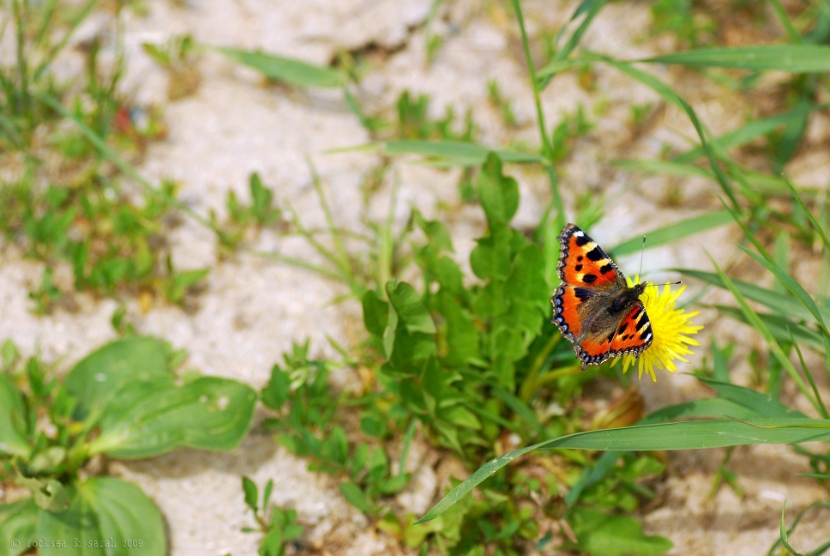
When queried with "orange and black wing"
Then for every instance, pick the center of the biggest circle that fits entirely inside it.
(632, 336)
(583, 263)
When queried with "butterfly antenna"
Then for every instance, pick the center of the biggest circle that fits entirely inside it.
(665, 284)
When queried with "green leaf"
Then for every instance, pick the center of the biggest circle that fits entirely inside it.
(794, 58)
(666, 436)
(375, 313)
(284, 69)
(674, 232)
(615, 535)
(783, 305)
(499, 194)
(251, 493)
(763, 405)
(104, 510)
(795, 288)
(355, 496)
(273, 543)
(782, 329)
(454, 153)
(670, 96)
(18, 526)
(410, 309)
(278, 390)
(151, 417)
(744, 134)
(13, 422)
(96, 378)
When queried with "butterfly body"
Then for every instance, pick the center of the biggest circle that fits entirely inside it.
(594, 307)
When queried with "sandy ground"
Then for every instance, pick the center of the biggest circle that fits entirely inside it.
(254, 309)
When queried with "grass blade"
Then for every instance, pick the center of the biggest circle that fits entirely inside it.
(794, 58)
(757, 324)
(674, 232)
(795, 288)
(288, 70)
(666, 436)
(670, 96)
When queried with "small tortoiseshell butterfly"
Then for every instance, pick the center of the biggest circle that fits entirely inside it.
(594, 308)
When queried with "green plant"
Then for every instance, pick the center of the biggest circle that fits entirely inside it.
(306, 425)
(121, 401)
(277, 525)
(176, 57)
(261, 212)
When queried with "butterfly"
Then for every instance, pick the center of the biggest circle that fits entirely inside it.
(593, 307)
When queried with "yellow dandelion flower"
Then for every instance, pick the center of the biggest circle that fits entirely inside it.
(670, 327)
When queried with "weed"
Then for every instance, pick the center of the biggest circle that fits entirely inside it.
(121, 401)
(278, 526)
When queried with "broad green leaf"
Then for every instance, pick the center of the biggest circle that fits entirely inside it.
(284, 69)
(375, 313)
(674, 232)
(273, 543)
(454, 153)
(499, 194)
(251, 493)
(18, 526)
(794, 58)
(13, 422)
(97, 377)
(410, 309)
(492, 257)
(355, 496)
(278, 390)
(462, 336)
(665, 436)
(152, 417)
(615, 535)
(107, 516)
(48, 494)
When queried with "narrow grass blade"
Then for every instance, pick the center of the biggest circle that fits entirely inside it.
(742, 135)
(755, 321)
(794, 287)
(672, 97)
(669, 167)
(674, 232)
(816, 226)
(667, 436)
(453, 153)
(717, 408)
(779, 327)
(122, 165)
(288, 70)
(590, 8)
(793, 58)
(763, 405)
(781, 304)
(809, 376)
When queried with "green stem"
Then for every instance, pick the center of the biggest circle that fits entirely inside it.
(547, 147)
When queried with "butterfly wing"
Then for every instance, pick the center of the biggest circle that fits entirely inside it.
(631, 336)
(583, 263)
(587, 275)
